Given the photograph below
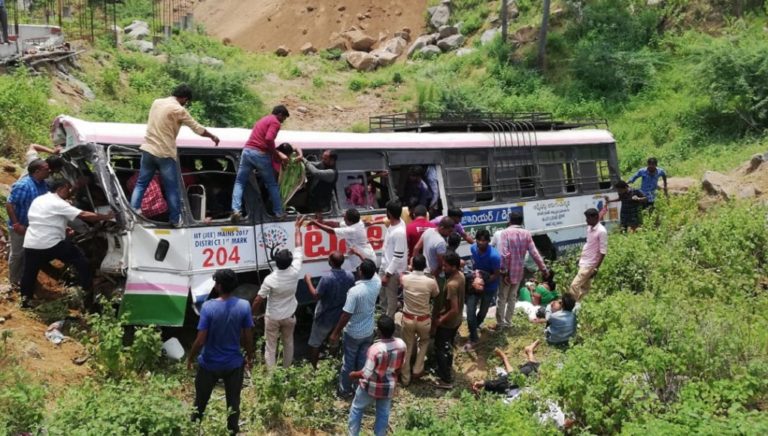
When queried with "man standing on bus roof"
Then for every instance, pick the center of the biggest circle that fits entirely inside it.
(158, 153)
(650, 180)
(592, 254)
(258, 154)
(321, 182)
(514, 242)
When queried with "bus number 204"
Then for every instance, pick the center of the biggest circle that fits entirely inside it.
(220, 256)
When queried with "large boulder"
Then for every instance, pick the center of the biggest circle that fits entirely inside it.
(488, 35)
(430, 51)
(421, 42)
(211, 61)
(719, 185)
(451, 43)
(359, 41)
(525, 35)
(140, 46)
(464, 51)
(395, 46)
(360, 60)
(446, 31)
(308, 49)
(384, 57)
(138, 30)
(441, 15)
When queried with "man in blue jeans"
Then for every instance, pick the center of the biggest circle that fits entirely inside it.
(357, 322)
(258, 153)
(158, 153)
(222, 323)
(378, 379)
(486, 262)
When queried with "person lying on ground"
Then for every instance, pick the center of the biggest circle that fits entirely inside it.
(502, 384)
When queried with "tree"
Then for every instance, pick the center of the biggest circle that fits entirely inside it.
(541, 60)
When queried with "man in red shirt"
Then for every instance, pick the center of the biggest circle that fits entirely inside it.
(415, 228)
(258, 154)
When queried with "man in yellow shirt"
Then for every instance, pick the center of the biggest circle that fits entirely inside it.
(158, 153)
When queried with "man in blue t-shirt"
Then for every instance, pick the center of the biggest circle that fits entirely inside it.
(330, 294)
(486, 262)
(650, 180)
(222, 323)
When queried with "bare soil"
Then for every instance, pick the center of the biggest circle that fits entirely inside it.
(264, 25)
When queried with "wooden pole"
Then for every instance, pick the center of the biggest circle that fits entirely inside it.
(541, 59)
(504, 21)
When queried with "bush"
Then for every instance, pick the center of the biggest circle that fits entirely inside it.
(25, 113)
(357, 84)
(110, 357)
(126, 407)
(733, 73)
(22, 402)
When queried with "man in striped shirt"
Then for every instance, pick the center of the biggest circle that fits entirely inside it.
(514, 242)
(393, 261)
(378, 378)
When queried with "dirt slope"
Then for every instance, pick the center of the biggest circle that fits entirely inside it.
(263, 25)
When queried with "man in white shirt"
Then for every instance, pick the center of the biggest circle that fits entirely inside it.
(45, 238)
(592, 254)
(279, 290)
(394, 258)
(355, 235)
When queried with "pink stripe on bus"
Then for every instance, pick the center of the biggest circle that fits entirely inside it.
(154, 287)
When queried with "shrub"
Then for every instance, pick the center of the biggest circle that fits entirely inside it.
(126, 407)
(26, 115)
(22, 402)
(110, 357)
(733, 73)
(357, 84)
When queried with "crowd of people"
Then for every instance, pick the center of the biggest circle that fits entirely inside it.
(421, 288)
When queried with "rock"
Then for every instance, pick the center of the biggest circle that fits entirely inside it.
(421, 42)
(188, 59)
(446, 31)
(403, 35)
(441, 15)
(430, 51)
(282, 51)
(653, 2)
(360, 17)
(754, 163)
(717, 184)
(302, 109)
(384, 58)
(488, 35)
(338, 44)
(137, 30)
(140, 46)
(341, 8)
(747, 192)
(31, 350)
(451, 43)
(359, 41)
(210, 61)
(310, 8)
(360, 60)
(464, 51)
(308, 49)
(680, 185)
(395, 45)
(338, 108)
(525, 35)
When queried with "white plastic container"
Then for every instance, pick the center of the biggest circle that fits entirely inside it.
(173, 350)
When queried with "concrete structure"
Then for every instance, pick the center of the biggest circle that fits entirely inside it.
(38, 36)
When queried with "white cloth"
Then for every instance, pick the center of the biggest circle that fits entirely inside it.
(395, 255)
(528, 308)
(279, 288)
(357, 237)
(48, 217)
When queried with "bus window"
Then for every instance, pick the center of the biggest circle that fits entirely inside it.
(208, 181)
(363, 189)
(557, 174)
(481, 182)
(468, 179)
(594, 171)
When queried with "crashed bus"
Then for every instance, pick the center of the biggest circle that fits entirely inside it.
(487, 164)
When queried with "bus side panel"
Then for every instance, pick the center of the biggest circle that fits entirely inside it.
(157, 298)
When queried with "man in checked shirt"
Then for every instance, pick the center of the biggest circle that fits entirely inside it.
(514, 242)
(378, 378)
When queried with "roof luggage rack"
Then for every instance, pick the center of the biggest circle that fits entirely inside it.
(472, 121)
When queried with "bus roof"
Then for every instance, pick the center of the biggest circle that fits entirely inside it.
(79, 132)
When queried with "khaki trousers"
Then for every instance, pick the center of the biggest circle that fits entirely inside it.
(274, 328)
(388, 295)
(582, 283)
(416, 337)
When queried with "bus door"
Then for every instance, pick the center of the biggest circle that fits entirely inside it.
(429, 161)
